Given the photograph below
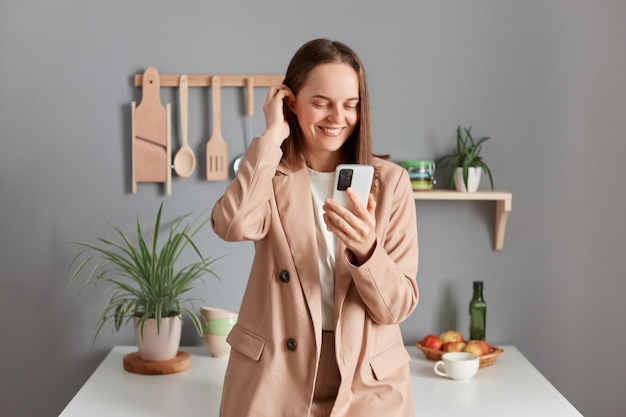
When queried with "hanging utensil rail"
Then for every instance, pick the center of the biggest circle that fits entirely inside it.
(227, 80)
(154, 163)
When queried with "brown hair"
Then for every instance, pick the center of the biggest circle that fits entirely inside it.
(358, 147)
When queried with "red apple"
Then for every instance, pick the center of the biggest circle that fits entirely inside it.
(451, 336)
(432, 342)
(485, 346)
(454, 347)
(475, 347)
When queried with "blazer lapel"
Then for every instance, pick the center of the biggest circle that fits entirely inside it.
(295, 210)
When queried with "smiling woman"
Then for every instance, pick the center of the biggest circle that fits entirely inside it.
(339, 277)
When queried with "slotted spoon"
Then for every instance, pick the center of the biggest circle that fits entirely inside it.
(216, 147)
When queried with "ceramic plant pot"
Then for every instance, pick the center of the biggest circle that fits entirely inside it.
(161, 346)
(216, 325)
(473, 179)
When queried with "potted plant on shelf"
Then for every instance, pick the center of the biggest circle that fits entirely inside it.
(466, 161)
(148, 288)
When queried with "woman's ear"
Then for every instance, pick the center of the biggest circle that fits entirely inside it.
(291, 104)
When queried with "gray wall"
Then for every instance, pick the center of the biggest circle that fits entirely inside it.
(545, 79)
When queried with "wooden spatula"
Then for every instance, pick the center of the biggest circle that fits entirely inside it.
(216, 148)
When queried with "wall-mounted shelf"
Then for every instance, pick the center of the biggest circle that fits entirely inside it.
(502, 199)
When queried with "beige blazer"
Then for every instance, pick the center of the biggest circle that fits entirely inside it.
(276, 342)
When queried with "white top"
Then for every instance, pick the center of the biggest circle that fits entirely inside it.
(321, 189)
(511, 387)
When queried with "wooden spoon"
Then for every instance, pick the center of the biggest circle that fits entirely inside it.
(185, 160)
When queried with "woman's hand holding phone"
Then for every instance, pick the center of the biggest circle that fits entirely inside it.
(349, 214)
(276, 127)
(355, 228)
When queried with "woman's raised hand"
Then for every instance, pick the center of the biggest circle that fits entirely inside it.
(276, 127)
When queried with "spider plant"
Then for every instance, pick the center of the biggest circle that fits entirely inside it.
(146, 283)
(466, 155)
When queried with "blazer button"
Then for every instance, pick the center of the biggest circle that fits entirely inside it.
(292, 344)
(283, 275)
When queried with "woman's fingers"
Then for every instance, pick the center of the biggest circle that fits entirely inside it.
(277, 128)
(357, 230)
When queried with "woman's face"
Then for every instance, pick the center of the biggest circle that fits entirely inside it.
(327, 111)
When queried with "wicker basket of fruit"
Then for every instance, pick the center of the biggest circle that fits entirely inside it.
(434, 347)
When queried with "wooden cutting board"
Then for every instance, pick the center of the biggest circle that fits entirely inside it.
(133, 363)
(151, 134)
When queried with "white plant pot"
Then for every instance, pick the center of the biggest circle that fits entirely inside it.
(162, 346)
(473, 179)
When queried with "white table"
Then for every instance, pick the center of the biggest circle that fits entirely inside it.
(511, 387)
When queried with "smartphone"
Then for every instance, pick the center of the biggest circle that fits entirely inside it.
(356, 176)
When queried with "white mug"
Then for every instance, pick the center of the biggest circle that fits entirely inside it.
(458, 365)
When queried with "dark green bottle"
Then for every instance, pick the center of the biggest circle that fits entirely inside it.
(478, 313)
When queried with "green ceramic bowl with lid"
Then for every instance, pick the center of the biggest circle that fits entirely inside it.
(421, 172)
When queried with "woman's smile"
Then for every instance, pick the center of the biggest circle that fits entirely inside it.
(336, 131)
